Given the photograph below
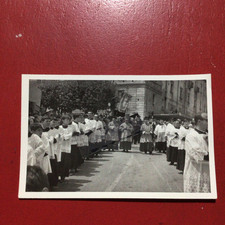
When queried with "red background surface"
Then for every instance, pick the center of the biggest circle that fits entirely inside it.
(107, 37)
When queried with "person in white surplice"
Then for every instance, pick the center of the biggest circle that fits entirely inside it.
(196, 170)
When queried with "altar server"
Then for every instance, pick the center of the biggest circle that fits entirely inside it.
(174, 142)
(146, 142)
(183, 131)
(160, 131)
(46, 166)
(98, 134)
(126, 135)
(75, 152)
(48, 139)
(112, 137)
(36, 150)
(53, 136)
(66, 134)
(91, 127)
(82, 139)
(169, 135)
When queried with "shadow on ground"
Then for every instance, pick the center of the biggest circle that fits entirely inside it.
(88, 169)
(71, 185)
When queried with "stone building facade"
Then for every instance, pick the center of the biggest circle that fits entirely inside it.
(186, 97)
(164, 97)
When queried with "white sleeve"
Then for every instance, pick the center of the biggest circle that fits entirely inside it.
(39, 148)
(193, 148)
(31, 159)
(156, 130)
(94, 125)
(76, 128)
(45, 142)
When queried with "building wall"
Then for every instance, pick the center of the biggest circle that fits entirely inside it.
(185, 97)
(136, 89)
(153, 99)
(145, 96)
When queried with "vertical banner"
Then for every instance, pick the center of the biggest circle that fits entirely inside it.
(124, 101)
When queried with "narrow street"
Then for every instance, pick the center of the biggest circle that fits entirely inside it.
(125, 172)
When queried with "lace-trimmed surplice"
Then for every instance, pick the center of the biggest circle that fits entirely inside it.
(196, 171)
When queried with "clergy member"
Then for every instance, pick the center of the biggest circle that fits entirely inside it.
(196, 170)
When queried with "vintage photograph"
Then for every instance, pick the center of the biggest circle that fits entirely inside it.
(95, 136)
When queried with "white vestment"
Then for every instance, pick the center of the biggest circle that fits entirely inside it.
(36, 150)
(98, 131)
(74, 128)
(160, 131)
(91, 126)
(66, 136)
(168, 134)
(45, 164)
(196, 170)
(182, 135)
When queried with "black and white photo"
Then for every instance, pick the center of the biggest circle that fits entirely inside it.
(117, 136)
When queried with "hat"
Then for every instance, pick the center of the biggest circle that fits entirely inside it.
(201, 116)
(76, 112)
(204, 116)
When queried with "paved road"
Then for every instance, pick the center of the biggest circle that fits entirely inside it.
(129, 172)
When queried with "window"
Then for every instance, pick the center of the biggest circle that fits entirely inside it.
(171, 87)
(188, 97)
(181, 93)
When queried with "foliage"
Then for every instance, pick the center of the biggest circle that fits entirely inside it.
(65, 96)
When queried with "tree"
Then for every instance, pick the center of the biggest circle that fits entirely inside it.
(65, 96)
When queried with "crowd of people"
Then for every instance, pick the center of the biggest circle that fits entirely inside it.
(59, 144)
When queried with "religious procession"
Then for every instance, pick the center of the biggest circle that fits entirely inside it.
(59, 145)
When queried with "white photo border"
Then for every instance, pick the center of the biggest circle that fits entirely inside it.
(111, 195)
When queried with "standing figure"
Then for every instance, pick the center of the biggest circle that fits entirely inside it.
(160, 131)
(103, 136)
(139, 122)
(76, 158)
(66, 133)
(126, 135)
(82, 141)
(169, 134)
(91, 127)
(136, 123)
(53, 137)
(196, 170)
(112, 136)
(184, 130)
(146, 143)
(59, 143)
(36, 150)
(47, 140)
(174, 142)
(98, 134)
